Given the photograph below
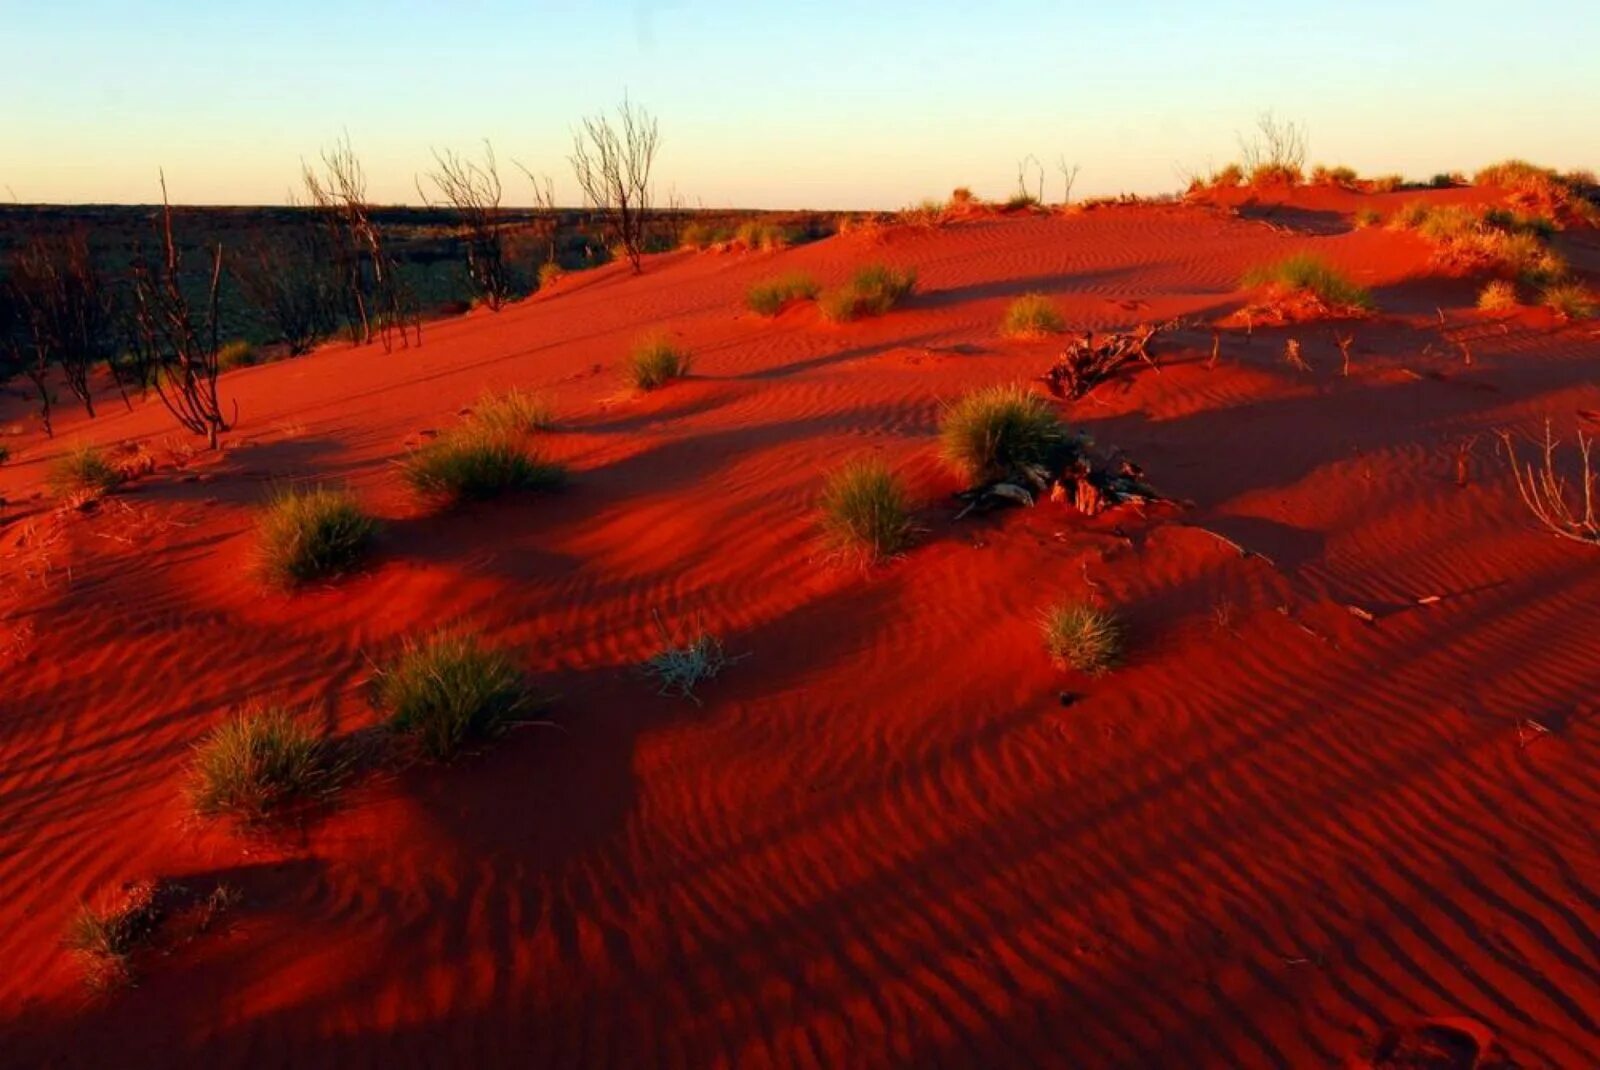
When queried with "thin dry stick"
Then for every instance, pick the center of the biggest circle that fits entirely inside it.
(1546, 494)
(1216, 349)
(1291, 353)
(1344, 342)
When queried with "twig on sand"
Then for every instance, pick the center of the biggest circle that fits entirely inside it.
(1241, 550)
(1530, 731)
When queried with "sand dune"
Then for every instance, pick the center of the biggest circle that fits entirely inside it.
(1275, 833)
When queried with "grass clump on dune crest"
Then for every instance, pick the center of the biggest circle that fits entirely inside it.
(655, 362)
(475, 463)
(1313, 275)
(83, 471)
(450, 689)
(993, 431)
(1032, 316)
(258, 761)
(512, 412)
(311, 533)
(768, 298)
(1079, 636)
(866, 512)
(872, 291)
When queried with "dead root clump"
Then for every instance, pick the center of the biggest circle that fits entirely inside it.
(1282, 306)
(1091, 359)
(1560, 508)
(108, 935)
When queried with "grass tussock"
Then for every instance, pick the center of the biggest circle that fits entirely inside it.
(866, 513)
(104, 935)
(1310, 274)
(1570, 300)
(255, 763)
(1079, 636)
(449, 690)
(512, 412)
(1032, 316)
(1333, 176)
(872, 291)
(994, 430)
(1500, 240)
(771, 296)
(655, 362)
(679, 666)
(475, 463)
(311, 533)
(84, 471)
(1498, 295)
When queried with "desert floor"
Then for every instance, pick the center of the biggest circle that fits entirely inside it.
(1279, 830)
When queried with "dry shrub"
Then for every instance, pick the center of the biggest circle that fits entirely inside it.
(1498, 295)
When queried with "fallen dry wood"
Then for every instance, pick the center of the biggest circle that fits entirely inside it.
(1092, 359)
(1089, 483)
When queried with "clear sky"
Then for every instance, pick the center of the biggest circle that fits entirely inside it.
(829, 103)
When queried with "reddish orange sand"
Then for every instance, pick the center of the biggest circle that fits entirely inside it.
(1278, 831)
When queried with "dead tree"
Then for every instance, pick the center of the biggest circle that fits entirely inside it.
(287, 277)
(1277, 150)
(67, 316)
(545, 219)
(1069, 175)
(1090, 360)
(473, 190)
(178, 348)
(376, 303)
(612, 164)
(1022, 194)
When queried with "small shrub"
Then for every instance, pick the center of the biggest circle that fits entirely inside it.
(512, 412)
(1079, 636)
(1368, 217)
(310, 533)
(1386, 183)
(1032, 316)
(83, 471)
(990, 432)
(1018, 202)
(550, 273)
(1333, 176)
(105, 935)
(238, 354)
(1500, 295)
(1276, 174)
(1446, 180)
(1230, 177)
(449, 690)
(472, 463)
(680, 667)
(872, 291)
(759, 234)
(656, 361)
(1571, 300)
(258, 761)
(1313, 275)
(866, 512)
(769, 298)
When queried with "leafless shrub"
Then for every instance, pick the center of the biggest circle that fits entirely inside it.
(287, 278)
(376, 304)
(612, 164)
(1276, 152)
(1069, 175)
(1547, 494)
(177, 349)
(544, 218)
(473, 189)
(64, 316)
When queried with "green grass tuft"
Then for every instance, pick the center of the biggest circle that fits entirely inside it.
(310, 533)
(768, 298)
(988, 433)
(872, 291)
(654, 362)
(1313, 275)
(476, 463)
(512, 412)
(1079, 636)
(258, 761)
(866, 512)
(1032, 316)
(83, 471)
(449, 690)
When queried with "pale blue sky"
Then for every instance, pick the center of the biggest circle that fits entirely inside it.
(866, 103)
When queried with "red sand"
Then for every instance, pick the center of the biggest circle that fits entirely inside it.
(1274, 834)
